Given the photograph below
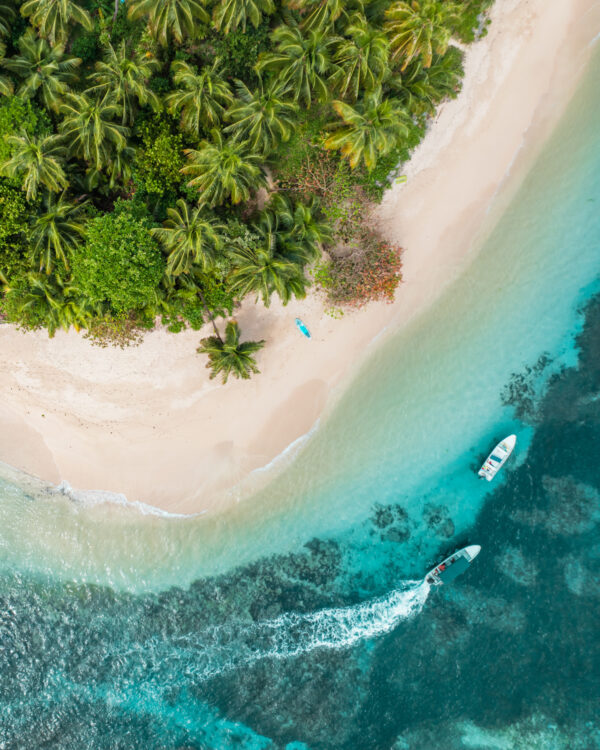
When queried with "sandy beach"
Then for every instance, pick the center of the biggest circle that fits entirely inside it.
(147, 422)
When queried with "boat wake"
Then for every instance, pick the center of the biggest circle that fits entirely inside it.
(221, 648)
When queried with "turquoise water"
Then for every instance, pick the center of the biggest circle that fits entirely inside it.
(298, 620)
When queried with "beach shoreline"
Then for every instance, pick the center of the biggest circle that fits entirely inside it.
(148, 423)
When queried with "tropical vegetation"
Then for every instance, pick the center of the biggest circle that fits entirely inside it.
(162, 160)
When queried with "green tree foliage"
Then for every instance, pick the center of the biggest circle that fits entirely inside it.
(120, 265)
(36, 161)
(89, 129)
(222, 170)
(262, 118)
(43, 69)
(53, 17)
(200, 97)
(37, 300)
(7, 14)
(170, 19)
(420, 27)
(19, 116)
(361, 59)
(301, 60)
(319, 14)
(190, 236)
(371, 128)
(15, 215)
(230, 356)
(56, 232)
(124, 76)
(229, 14)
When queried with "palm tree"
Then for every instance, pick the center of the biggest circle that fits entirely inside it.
(371, 129)
(124, 75)
(6, 85)
(264, 271)
(7, 13)
(42, 68)
(50, 299)
(262, 117)
(224, 169)
(420, 27)
(229, 14)
(89, 129)
(295, 227)
(201, 97)
(56, 231)
(191, 236)
(170, 18)
(320, 14)
(38, 160)
(361, 61)
(301, 60)
(52, 17)
(230, 357)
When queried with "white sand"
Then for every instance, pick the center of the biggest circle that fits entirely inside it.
(149, 423)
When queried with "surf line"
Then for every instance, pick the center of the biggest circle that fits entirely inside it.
(225, 647)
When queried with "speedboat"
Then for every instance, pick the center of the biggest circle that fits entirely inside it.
(497, 458)
(453, 566)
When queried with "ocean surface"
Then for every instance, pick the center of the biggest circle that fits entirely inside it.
(299, 619)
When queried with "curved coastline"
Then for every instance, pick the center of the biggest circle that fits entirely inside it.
(147, 424)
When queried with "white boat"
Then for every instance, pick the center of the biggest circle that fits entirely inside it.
(497, 458)
(453, 566)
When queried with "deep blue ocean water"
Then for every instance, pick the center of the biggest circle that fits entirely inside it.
(298, 620)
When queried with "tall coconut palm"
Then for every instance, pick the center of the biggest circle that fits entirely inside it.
(229, 14)
(371, 129)
(89, 129)
(222, 170)
(200, 97)
(191, 235)
(124, 76)
(43, 69)
(420, 27)
(37, 160)
(230, 356)
(361, 61)
(56, 231)
(170, 19)
(53, 17)
(262, 117)
(301, 60)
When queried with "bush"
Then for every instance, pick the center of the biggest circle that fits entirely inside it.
(239, 50)
(120, 265)
(14, 215)
(159, 161)
(17, 115)
(367, 275)
(86, 46)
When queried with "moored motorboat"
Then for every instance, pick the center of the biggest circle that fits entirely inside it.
(497, 458)
(453, 566)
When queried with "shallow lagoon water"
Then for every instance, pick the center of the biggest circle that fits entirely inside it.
(295, 620)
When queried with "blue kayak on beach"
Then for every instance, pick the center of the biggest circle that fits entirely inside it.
(302, 328)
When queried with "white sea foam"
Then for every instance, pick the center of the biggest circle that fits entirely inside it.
(97, 497)
(218, 649)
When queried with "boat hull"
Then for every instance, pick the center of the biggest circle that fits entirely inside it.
(452, 566)
(497, 458)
